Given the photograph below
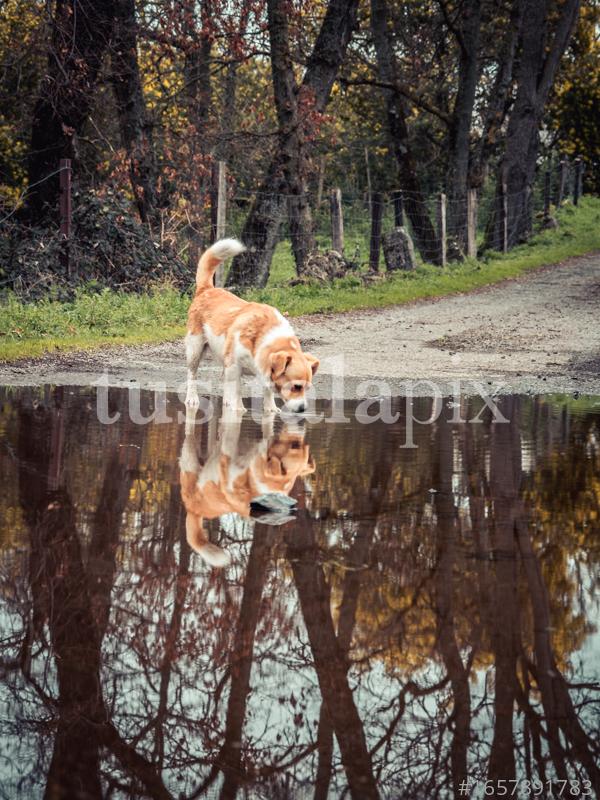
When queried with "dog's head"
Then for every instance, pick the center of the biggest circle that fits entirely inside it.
(288, 458)
(292, 373)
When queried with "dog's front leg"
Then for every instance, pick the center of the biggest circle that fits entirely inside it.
(269, 406)
(194, 347)
(232, 389)
(189, 460)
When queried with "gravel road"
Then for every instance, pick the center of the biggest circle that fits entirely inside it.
(539, 333)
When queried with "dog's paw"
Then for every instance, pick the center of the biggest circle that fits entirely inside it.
(192, 400)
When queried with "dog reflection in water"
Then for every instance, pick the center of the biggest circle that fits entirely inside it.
(229, 480)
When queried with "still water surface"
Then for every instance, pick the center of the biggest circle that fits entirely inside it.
(426, 621)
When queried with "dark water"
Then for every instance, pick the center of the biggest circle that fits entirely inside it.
(427, 620)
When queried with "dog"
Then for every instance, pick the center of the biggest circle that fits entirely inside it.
(228, 481)
(245, 337)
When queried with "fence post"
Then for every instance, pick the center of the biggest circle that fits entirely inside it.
(562, 181)
(376, 217)
(368, 169)
(441, 221)
(472, 223)
(547, 180)
(504, 214)
(337, 221)
(218, 208)
(398, 202)
(320, 179)
(577, 181)
(65, 213)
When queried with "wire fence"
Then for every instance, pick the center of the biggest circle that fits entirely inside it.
(99, 238)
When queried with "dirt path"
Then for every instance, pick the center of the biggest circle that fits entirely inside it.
(540, 333)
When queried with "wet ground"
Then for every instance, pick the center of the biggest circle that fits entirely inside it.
(423, 621)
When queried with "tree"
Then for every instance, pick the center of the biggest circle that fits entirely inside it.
(415, 201)
(135, 125)
(264, 219)
(546, 31)
(574, 104)
(81, 32)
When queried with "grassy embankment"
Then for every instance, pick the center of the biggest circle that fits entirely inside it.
(107, 318)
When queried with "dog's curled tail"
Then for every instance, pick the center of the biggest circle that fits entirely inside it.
(211, 258)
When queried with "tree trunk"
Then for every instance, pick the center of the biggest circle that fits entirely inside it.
(499, 99)
(80, 38)
(288, 103)
(460, 129)
(414, 199)
(264, 220)
(537, 68)
(134, 123)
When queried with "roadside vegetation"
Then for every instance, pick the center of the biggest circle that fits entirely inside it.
(107, 317)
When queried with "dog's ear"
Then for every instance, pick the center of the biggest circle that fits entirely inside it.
(279, 363)
(313, 362)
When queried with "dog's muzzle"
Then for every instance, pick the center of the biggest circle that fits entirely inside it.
(296, 406)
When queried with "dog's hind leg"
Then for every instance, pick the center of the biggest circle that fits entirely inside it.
(194, 347)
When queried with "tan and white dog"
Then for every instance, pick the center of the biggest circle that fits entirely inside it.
(229, 480)
(245, 337)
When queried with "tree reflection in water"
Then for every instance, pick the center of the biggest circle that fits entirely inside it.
(428, 616)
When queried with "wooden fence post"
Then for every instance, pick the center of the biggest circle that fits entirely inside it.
(504, 214)
(65, 214)
(547, 180)
(441, 222)
(398, 202)
(577, 181)
(218, 208)
(376, 218)
(472, 223)
(320, 179)
(368, 169)
(562, 181)
(337, 221)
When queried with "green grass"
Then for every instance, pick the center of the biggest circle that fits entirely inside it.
(108, 318)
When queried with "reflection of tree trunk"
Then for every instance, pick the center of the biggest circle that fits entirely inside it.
(262, 225)
(230, 756)
(62, 595)
(106, 525)
(330, 660)
(182, 582)
(59, 591)
(505, 476)
(444, 591)
(556, 701)
(357, 557)
(75, 765)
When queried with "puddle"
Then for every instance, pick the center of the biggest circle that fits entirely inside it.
(423, 620)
